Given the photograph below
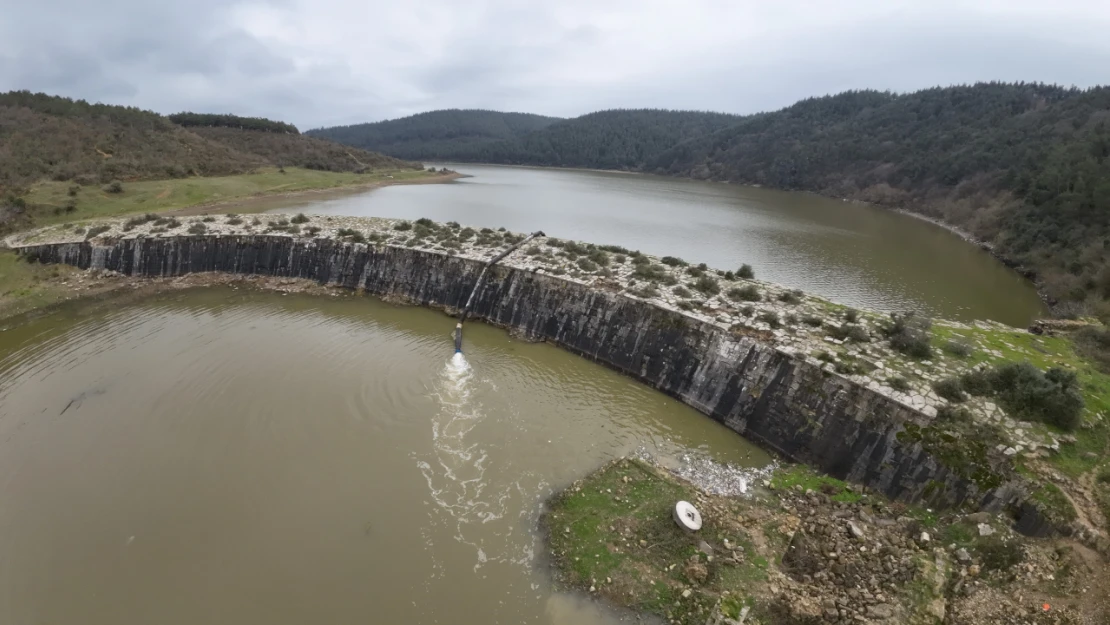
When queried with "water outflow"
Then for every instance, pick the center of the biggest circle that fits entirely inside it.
(478, 284)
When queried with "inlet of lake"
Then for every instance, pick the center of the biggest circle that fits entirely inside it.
(233, 456)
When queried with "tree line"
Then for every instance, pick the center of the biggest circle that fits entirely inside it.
(209, 120)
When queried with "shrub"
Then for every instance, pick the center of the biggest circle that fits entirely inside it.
(96, 231)
(300, 218)
(954, 414)
(402, 226)
(600, 257)
(614, 249)
(234, 221)
(899, 383)
(792, 319)
(651, 273)
(673, 261)
(454, 225)
(71, 205)
(745, 271)
(695, 272)
(791, 297)
(960, 348)
(747, 293)
(1051, 397)
(769, 317)
(686, 305)
(208, 219)
(424, 221)
(256, 222)
(466, 234)
(707, 285)
(851, 315)
(639, 259)
(748, 310)
(976, 383)
(312, 230)
(198, 228)
(74, 189)
(647, 291)
(813, 321)
(501, 229)
(586, 264)
(950, 389)
(619, 259)
(682, 291)
(130, 224)
(114, 186)
(728, 275)
(909, 333)
(850, 332)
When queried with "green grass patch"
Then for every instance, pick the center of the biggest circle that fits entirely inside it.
(787, 478)
(161, 195)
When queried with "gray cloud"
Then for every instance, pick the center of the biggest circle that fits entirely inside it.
(320, 62)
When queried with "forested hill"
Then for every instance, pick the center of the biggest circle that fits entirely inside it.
(442, 135)
(1023, 166)
(49, 137)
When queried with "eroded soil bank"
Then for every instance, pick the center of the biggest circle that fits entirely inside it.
(800, 548)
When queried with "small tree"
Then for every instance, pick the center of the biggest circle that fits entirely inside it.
(114, 186)
(745, 271)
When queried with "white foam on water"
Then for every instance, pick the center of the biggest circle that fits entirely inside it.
(456, 471)
(715, 478)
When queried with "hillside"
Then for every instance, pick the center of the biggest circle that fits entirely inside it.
(437, 135)
(49, 137)
(1021, 166)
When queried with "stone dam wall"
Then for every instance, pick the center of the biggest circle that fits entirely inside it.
(780, 401)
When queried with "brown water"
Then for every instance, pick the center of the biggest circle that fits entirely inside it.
(850, 253)
(223, 456)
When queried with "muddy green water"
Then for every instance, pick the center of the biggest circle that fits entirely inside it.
(222, 456)
(850, 253)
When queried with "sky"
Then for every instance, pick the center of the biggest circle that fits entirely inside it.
(327, 62)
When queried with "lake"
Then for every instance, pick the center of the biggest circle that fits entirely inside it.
(850, 253)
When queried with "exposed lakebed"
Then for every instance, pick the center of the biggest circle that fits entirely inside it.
(253, 457)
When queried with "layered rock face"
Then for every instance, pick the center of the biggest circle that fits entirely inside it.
(773, 397)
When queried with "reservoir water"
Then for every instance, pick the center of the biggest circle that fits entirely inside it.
(229, 456)
(850, 253)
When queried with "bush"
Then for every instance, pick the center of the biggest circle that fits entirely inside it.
(424, 221)
(646, 292)
(233, 221)
(791, 297)
(599, 257)
(960, 348)
(96, 231)
(619, 259)
(466, 234)
(614, 249)
(851, 332)
(403, 225)
(728, 275)
(114, 186)
(745, 271)
(454, 225)
(771, 318)
(976, 383)
(1050, 397)
(71, 205)
(300, 218)
(851, 315)
(130, 224)
(908, 333)
(673, 261)
(208, 219)
(256, 222)
(813, 321)
(950, 389)
(747, 293)
(639, 259)
(899, 383)
(312, 230)
(748, 310)
(682, 291)
(586, 264)
(998, 554)
(651, 273)
(74, 189)
(695, 272)
(198, 228)
(707, 285)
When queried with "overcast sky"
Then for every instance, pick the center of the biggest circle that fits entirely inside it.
(325, 62)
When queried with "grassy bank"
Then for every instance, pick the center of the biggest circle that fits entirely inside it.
(53, 202)
(806, 549)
